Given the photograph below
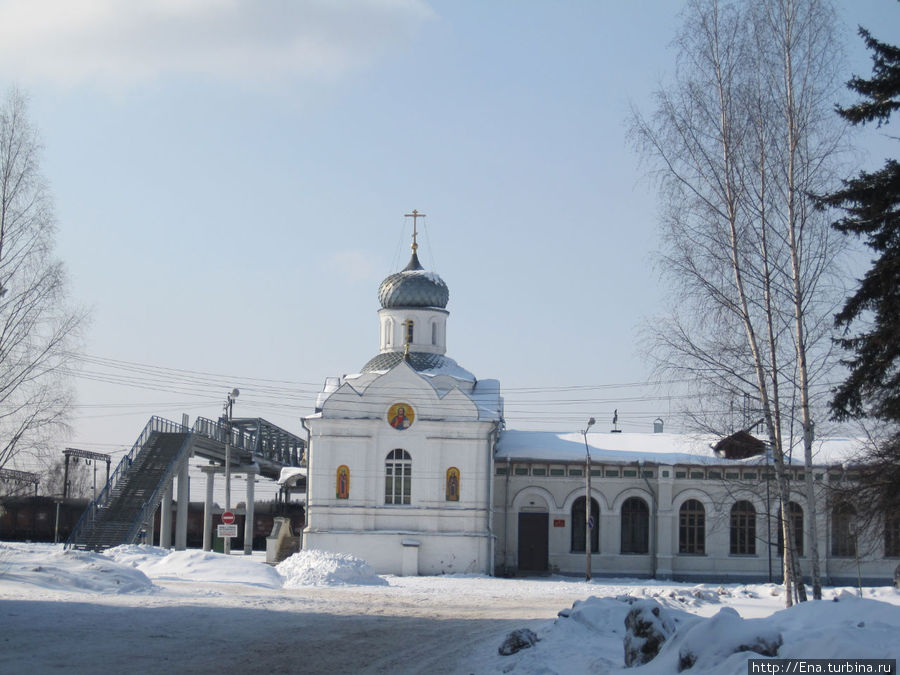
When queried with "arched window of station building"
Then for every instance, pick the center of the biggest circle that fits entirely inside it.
(892, 536)
(578, 526)
(743, 528)
(795, 512)
(843, 535)
(692, 528)
(397, 477)
(342, 482)
(451, 490)
(635, 526)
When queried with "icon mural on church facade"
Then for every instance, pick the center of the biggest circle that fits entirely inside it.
(452, 484)
(342, 482)
(401, 415)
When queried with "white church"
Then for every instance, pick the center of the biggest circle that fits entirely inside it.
(411, 467)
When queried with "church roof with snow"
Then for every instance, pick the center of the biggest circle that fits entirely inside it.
(423, 362)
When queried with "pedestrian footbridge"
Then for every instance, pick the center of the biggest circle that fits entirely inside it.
(145, 477)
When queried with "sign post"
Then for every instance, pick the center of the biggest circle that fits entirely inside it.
(228, 528)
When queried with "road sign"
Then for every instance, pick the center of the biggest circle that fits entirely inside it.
(591, 522)
(228, 517)
(227, 531)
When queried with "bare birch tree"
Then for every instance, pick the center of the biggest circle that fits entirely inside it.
(798, 46)
(37, 327)
(746, 255)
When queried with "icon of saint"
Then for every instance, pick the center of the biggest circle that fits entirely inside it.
(400, 420)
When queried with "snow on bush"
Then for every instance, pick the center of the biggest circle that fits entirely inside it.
(322, 568)
(648, 626)
(711, 641)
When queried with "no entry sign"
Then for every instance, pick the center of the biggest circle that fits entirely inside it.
(228, 517)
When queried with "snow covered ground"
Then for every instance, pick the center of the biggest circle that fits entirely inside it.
(146, 610)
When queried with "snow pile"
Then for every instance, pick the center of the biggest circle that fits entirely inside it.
(53, 567)
(195, 565)
(722, 643)
(592, 635)
(322, 568)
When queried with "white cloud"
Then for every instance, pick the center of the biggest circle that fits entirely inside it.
(353, 265)
(129, 41)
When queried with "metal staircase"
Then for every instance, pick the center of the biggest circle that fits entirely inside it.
(135, 489)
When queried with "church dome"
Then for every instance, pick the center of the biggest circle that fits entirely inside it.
(431, 364)
(413, 287)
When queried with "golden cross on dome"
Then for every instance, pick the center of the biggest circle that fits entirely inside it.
(415, 215)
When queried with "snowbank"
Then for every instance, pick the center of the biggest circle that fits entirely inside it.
(195, 565)
(592, 633)
(52, 567)
(322, 568)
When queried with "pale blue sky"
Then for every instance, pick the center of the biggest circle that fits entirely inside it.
(230, 180)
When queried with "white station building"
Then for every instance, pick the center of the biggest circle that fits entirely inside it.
(411, 468)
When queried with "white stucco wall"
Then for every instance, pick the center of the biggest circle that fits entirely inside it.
(555, 495)
(353, 431)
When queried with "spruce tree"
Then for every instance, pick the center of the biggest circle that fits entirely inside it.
(870, 317)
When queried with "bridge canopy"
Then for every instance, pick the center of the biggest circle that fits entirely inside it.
(252, 439)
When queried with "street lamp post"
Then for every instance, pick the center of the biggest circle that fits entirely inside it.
(587, 503)
(229, 406)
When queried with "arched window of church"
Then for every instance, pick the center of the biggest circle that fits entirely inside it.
(578, 526)
(397, 477)
(434, 334)
(409, 324)
(743, 528)
(342, 482)
(388, 333)
(452, 489)
(692, 528)
(635, 526)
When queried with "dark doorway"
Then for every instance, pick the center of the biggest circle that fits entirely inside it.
(533, 540)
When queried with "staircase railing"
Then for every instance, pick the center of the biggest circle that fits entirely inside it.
(150, 505)
(256, 442)
(218, 431)
(155, 425)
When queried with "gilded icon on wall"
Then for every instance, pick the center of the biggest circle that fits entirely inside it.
(342, 486)
(452, 484)
(401, 415)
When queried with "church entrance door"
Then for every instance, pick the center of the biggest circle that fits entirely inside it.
(533, 542)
